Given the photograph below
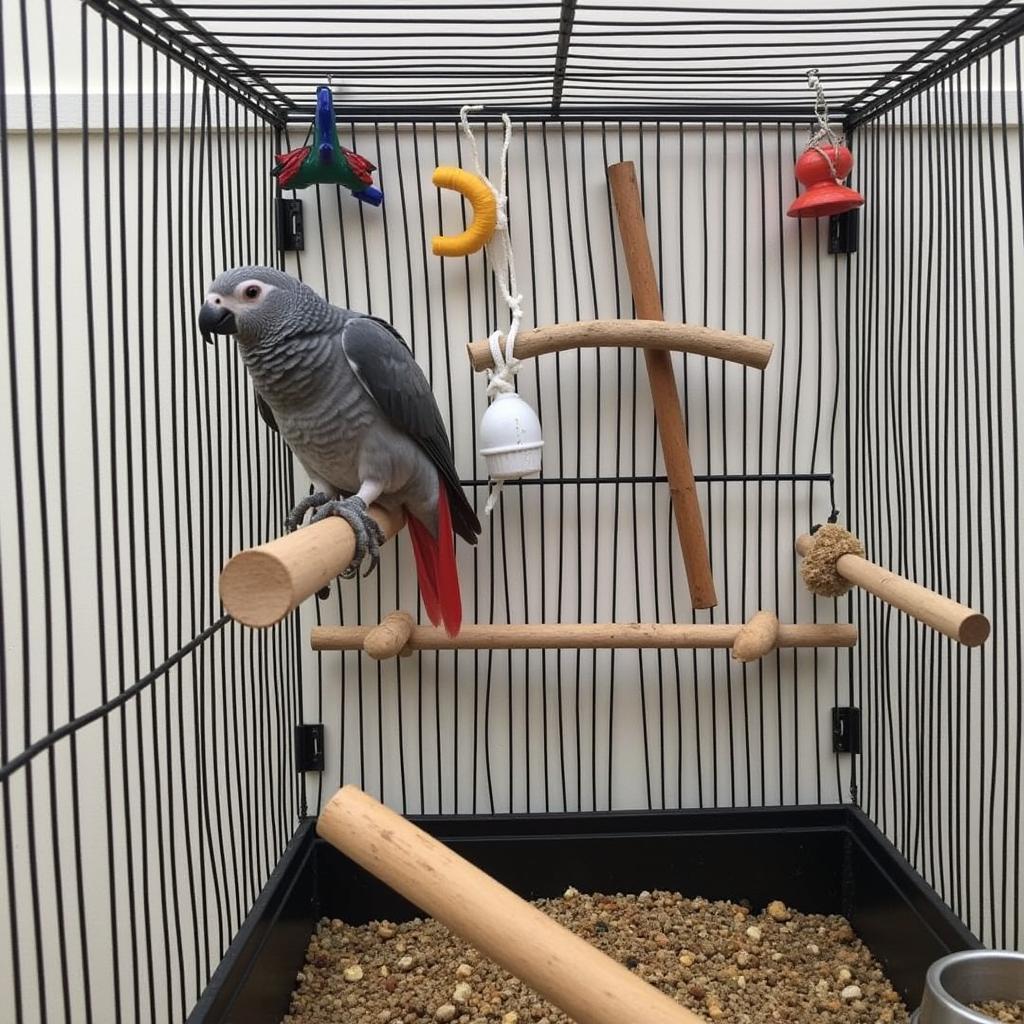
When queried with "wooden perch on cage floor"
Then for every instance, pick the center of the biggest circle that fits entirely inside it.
(950, 618)
(399, 635)
(563, 968)
(260, 586)
(646, 334)
(668, 411)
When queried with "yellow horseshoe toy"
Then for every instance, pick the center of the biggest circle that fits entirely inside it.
(485, 212)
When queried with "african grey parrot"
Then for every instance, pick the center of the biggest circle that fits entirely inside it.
(356, 410)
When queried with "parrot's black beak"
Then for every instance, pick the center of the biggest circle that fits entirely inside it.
(216, 319)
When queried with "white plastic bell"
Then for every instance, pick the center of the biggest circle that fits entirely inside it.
(510, 438)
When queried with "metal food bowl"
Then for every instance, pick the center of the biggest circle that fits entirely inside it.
(974, 976)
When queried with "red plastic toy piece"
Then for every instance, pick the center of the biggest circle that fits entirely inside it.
(826, 194)
(288, 165)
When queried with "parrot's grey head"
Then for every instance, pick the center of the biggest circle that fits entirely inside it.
(254, 303)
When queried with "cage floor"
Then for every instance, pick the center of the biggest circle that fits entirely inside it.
(721, 959)
(816, 860)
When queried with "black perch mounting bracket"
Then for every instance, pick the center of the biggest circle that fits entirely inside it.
(843, 232)
(846, 730)
(290, 230)
(309, 747)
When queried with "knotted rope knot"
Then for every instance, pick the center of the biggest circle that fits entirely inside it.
(501, 380)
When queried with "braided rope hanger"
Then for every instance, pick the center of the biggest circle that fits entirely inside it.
(500, 380)
(823, 131)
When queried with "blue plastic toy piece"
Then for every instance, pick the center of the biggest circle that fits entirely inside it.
(370, 195)
(325, 123)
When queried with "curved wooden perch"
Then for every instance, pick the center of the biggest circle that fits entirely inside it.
(589, 986)
(954, 620)
(581, 636)
(260, 586)
(647, 334)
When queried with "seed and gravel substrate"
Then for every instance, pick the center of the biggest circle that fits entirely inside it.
(1008, 1012)
(716, 958)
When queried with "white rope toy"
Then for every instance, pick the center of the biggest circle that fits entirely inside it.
(823, 132)
(500, 380)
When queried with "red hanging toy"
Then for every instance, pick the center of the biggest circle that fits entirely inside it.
(823, 167)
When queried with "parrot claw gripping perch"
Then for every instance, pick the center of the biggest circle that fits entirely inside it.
(297, 514)
(369, 535)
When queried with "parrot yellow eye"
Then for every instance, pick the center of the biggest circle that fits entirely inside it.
(252, 292)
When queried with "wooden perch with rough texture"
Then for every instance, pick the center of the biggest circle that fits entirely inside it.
(580, 636)
(260, 586)
(954, 620)
(649, 334)
(668, 411)
(565, 969)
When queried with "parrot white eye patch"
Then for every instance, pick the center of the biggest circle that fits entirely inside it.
(251, 290)
(243, 296)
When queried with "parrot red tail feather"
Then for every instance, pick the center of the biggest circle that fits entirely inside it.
(436, 569)
(288, 165)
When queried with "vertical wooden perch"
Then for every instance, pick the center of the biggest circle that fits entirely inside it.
(667, 408)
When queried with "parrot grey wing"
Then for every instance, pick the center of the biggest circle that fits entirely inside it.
(391, 376)
(266, 413)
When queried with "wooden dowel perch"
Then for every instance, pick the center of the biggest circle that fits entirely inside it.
(260, 586)
(562, 967)
(667, 409)
(649, 334)
(950, 618)
(589, 636)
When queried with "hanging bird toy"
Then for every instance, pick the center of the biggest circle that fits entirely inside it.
(824, 166)
(327, 161)
(479, 195)
(510, 435)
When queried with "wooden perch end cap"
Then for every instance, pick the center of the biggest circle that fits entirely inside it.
(974, 630)
(256, 588)
(756, 638)
(389, 638)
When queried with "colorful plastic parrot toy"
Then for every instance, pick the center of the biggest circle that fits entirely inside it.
(327, 161)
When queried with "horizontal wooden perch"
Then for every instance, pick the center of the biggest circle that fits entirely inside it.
(406, 637)
(260, 586)
(955, 620)
(564, 968)
(649, 334)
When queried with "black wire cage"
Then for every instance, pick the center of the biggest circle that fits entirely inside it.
(157, 801)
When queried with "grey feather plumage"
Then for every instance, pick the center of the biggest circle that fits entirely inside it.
(347, 396)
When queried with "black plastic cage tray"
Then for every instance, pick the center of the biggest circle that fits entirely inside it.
(818, 859)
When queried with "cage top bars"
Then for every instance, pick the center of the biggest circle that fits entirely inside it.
(570, 59)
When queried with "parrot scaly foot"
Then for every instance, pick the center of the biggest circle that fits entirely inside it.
(297, 514)
(369, 535)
